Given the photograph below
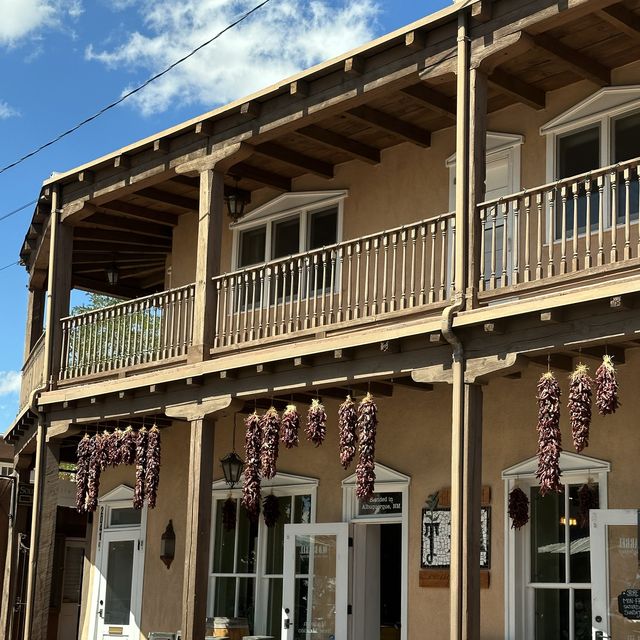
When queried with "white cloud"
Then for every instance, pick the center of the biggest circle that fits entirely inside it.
(279, 40)
(22, 18)
(7, 111)
(9, 382)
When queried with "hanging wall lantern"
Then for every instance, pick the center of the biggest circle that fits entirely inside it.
(236, 200)
(168, 545)
(112, 274)
(232, 465)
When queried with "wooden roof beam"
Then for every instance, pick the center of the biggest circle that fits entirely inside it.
(295, 159)
(194, 183)
(267, 178)
(518, 89)
(481, 11)
(141, 213)
(93, 247)
(356, 149)
(577, 62)
(250, 109)
(107, 221)
(434, 100)
(165, 197)
(124, 271)
(623, 19)
(354, 66)
(415, 40)
(299, 89)
(127, 237)
(391, 124)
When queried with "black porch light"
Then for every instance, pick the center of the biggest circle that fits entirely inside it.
(236, 200)
(112, 274)
(232, 463)
(168, 545)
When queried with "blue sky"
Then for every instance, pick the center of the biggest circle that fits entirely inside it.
(62, 60)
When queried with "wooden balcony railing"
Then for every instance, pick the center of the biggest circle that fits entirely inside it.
(586, 222)
(362, 279)
(155, 328)
(32, 371)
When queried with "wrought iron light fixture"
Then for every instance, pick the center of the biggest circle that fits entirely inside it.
(236, 200)
(112, 274)
(232, 463)
(168, 545)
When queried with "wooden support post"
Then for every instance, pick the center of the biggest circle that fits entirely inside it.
(210, 216)
(471, 503)
(196, 573)
(477, 177)
(42, 539)
(35, 318)
(58, 288)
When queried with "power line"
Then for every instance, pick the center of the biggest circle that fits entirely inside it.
(22, 208)
(11, 264)
(132, 92)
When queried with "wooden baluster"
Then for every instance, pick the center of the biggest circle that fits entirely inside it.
(527, 238)
(627, 214)
(225, 311)
(64, 351)
(515, 253)
(332, 285)
(403, 273)
(99, 340)
(587, 231)
(505, 244)
(129, 335)
(252, 320)
(323, 293)
(315, 290)
(600, 259)
(245, 306)
(563, 237)
(433, 228)
(283, 303)
(276, 279)
(356, 309)
(155, 311)
(614, 215)
(451, 257)
(541, 222)
(173, 325)
(216, 340)
(394, 271)
(232, 309)
(483, 249)
(261, 301)
(423, 264)
(292, 296)
(374, 295)
(182, 321)
(307, 286)
(367, 259)
(575, 262)
(237, 309)
(385, 272)
(552, 226)
(267, 300)
(339, 283)
(412, 294)
(299, 294)
(166, 311)
(494, 248)
(443, 259)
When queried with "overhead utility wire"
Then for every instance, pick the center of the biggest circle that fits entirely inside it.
(22, 208)
(133, 91)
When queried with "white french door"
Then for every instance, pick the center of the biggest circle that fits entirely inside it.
(120, 585)
(316, 576)
(615, 574)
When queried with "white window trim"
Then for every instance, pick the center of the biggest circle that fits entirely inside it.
(288, 205)
(518, 612)
(387, 480)
(281, 485)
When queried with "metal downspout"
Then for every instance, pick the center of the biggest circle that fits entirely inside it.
(457, 599)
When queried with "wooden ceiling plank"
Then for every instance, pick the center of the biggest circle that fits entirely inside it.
(107, 221)
(88, 284)
(434, 100)
(523, 92)
(623, 19)
(358, 150)
(100, 246)
(165, 197)
(267, 178)
(141, 213)
(156, 271)
(581, 64)
(82, 233)
(107, 258)
(295, 159)
(386, 122)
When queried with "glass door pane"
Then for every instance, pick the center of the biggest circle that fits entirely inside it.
(315, 582)
(616, 579)
(117, 601)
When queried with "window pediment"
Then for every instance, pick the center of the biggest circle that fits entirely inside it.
(120, 493)
(606, 101)
(384, 475)
(293, 201)
(569, 462)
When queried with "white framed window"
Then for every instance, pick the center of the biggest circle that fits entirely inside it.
(600, 131)
(6, 469)
(246, 565)
(547, 562)
(290, 224)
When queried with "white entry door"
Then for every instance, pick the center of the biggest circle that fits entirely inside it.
(615, 574)
(316, 575)
(120, 585)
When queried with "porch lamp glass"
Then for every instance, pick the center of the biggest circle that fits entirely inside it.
(236, 201)
(232, 465)
(168, 545)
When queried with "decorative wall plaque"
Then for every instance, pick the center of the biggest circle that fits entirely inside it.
(629, 604)
(436, 538)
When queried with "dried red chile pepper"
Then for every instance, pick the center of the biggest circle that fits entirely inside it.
(271, 510)
(93, 475)
(290, 425)
(580, 392)
(518, 508)
(141, 463)
(270, 427)
(82, 472)
(251, 487)
(316, 423)
(606, 387)
(152, 470)
(367, 427)
(549, 437)
(128, 444)
(347, 425)
(587, 499)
